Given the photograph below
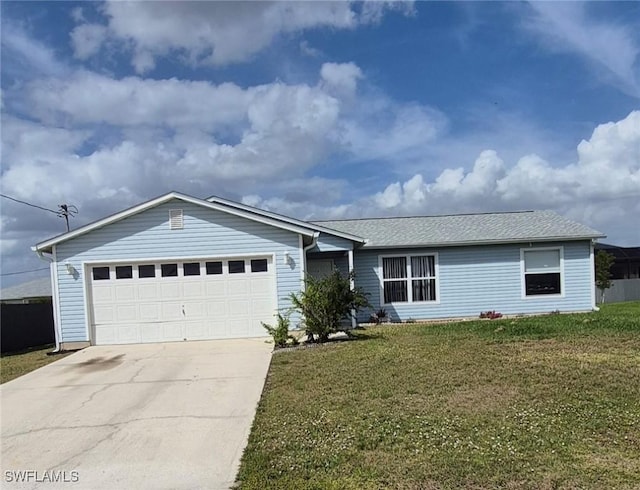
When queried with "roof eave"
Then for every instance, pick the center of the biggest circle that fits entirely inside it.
(286, 219)
(47, 244)
(486, 242)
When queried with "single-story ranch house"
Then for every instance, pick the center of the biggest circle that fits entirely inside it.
(180, 268)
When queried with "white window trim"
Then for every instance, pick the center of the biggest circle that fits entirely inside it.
(409, 278)
(523, 287)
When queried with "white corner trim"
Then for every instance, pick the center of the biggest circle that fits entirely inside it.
(55, 296)
(592, 274)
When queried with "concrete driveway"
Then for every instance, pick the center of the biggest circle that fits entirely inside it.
(174, 416)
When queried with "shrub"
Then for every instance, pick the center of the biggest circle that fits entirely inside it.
(280, 333)
(326, 302)
(491, 315)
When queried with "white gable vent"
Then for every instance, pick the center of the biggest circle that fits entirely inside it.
(176, 220)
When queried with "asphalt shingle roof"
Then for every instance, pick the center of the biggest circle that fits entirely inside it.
(38, 288)
(463, 229)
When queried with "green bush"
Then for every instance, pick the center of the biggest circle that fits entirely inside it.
(280, 333)
(326, 302)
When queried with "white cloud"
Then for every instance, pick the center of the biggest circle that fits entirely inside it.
(601, 188)
(87, 39)
(612, 48)
(340, 78)
(219, 33)
(26, 58)
(87, 97)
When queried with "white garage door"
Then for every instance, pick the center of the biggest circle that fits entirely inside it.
(181, 300)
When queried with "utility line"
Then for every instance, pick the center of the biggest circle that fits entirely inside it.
(29, 204)
(24, 272)
(64, 210)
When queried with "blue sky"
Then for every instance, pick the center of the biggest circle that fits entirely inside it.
(320, 110)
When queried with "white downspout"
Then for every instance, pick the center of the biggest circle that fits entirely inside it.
(54, 296)
(314, 242)
(592, 266)
(352, 284)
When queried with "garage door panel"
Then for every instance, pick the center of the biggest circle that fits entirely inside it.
(193, 289)
(125, 292)
(148, 291)
(105, 334)
(238, 307)
(196, 330)
(242, 327)
(238, 287)
(172, 331)
(260, 285)
(103, 314)
(216, 308)
(194, 310)
(128, 334)
(261, 307)
(150, 311)
(171, 311)
(150, 332)
(216, 287)
(171, 290)
(102, 294)
(127, 313)
(176, 308)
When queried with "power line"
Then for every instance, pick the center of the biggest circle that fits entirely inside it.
(29, 204)
(64, 210)
(24, 272)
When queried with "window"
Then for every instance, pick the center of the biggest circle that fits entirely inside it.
(236, 266)
(409, 279)
(191, 268)
(169, 270)
(394, 273)
(259, 265)
(124, 272)
(423, 278)
(214, 267)
(542, 270)
(100, 273)
(145, 271)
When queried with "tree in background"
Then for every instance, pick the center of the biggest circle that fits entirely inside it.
(604, 261)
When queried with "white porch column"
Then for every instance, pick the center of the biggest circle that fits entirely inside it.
(352, 284)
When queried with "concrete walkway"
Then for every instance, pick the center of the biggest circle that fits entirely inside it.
(172, 416)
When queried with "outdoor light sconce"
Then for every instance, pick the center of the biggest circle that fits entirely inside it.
(70, 269)
(286, 258)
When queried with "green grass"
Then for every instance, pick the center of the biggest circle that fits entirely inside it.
(16, 364)
(541, 402)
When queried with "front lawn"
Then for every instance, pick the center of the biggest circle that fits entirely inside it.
(16, 364)
(544, 402)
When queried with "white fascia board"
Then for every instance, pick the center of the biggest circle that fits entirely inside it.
(44, 246)
(481, 242)
(287, 219)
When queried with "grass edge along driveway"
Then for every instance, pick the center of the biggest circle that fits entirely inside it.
(539, 402)
(16, 364)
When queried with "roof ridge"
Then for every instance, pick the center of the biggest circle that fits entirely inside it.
(426, 216)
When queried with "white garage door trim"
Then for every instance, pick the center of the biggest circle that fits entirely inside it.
(240, 323)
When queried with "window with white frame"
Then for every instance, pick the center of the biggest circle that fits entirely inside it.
(409, 279)
(542, 270)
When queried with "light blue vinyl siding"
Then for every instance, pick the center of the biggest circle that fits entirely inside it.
(481, 278)
(206, 233)
(330, 243)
